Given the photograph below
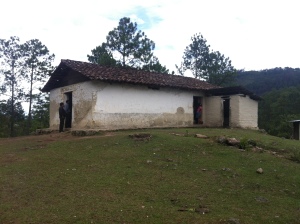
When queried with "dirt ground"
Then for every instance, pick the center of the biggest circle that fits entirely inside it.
(53, 136)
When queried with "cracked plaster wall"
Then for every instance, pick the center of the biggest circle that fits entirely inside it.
(131, 106)
(121, 106)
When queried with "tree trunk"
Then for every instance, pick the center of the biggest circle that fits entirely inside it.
(123, 61)
(30, 102)
(12, 116)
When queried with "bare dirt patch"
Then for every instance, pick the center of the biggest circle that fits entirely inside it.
(9, 158)
(40, 141)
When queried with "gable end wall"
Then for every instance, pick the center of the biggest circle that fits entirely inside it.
(248, 112)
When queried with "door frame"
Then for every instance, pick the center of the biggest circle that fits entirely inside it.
(69, 96)
(197, 100)
(226, 111)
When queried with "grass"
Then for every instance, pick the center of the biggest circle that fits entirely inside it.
(168, 179)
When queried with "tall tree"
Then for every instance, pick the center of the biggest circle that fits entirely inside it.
(37, 67)
(211, 66)
(180, 69)
(221, 72)
(131, 45)
(40, 112)
(155, 66)
(127, 46)
(5, 118)
(196, 57)
(102, 56)
(277, 109)
(11, 61)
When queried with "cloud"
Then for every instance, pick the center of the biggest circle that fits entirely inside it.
(253, 34)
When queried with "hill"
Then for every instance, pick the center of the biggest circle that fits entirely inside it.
(279, 88)
(261, 82)
(169, 177)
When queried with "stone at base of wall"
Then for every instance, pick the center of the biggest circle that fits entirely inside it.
(44, 131)
(86, 132)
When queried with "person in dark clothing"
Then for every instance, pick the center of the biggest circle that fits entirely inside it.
(199, 114)
(62, 116)
(68, 114)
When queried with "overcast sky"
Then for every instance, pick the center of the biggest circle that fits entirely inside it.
(254, 34)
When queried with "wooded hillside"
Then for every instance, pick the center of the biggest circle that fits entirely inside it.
(264, 81)
(280, 90)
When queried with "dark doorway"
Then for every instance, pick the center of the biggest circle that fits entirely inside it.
(296, 130)
(226, 112)
(68, 122)
(197, 101)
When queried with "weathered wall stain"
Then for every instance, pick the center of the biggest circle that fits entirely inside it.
(123, 106)
(180, 110)
(139, 120)
(173, 119)
(53, 111)
(81, 109)
(82, 106)
(102, 105)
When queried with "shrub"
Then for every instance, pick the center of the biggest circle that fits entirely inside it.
(243, 143)
(296, 155)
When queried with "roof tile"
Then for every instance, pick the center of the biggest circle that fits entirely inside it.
(129, 75)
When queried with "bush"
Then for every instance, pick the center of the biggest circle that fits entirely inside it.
(296, 155)
(243, 143)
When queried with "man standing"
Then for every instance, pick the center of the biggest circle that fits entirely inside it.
(62, 116)
(68, 114)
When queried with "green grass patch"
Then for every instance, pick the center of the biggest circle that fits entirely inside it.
(171, 177)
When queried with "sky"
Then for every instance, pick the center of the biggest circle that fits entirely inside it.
(254, 34)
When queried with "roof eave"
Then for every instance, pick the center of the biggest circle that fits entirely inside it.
(233, 91)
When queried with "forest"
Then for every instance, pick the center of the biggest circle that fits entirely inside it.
(25, 68)
(280, 90)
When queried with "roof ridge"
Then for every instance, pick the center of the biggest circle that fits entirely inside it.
(131, 69)
(129, 75)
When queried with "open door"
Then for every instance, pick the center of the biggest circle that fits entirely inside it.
(226, 112)
(296, 130)
(68, 99)
(197, 101)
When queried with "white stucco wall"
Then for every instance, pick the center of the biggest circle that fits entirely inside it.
(234, 117)
(84, 96)
(243, 112)
(248, 112)
(122, 106)
(56, 97)
(130, 106)
(213, 111)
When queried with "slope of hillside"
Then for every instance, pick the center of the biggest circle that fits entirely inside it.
(264, 81)
(171, 177)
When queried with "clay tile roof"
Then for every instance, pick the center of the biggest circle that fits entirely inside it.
(126, 75)
(232, 90)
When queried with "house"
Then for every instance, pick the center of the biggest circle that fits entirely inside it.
(296, 129)
(110, 98)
